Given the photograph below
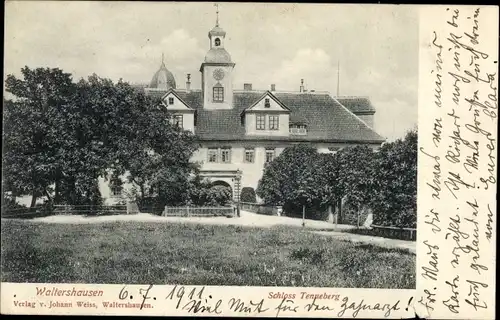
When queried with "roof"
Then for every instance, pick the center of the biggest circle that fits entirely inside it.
(173, 92)
(326, 119)
(163, 78)
(216, 31)
(356, 105)
(218, 55)
(266, 94)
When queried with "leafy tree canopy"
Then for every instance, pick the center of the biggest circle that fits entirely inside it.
(65, 134)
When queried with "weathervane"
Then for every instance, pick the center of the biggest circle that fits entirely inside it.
(217, 12)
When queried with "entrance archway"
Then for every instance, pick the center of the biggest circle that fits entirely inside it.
(223, 184)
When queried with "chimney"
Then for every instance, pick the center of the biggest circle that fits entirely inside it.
(247, 86)
(188, 83)
(273, 87)
(301, 85)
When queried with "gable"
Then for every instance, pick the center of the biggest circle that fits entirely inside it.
(175, 103)
(267, 102)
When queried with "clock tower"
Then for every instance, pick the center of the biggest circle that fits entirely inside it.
(217, 72)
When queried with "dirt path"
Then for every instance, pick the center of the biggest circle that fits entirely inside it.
(247, 219)
(379, 241)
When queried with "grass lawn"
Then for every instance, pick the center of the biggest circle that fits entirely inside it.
(195, 254)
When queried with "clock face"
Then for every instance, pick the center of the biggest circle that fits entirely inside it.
(218, 74)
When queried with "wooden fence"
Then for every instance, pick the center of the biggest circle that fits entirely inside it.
(48, 210)
(395, 232)
(199, 211)
(24, 213)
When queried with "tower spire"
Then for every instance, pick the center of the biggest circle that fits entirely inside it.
(162, 58)
(217, 13)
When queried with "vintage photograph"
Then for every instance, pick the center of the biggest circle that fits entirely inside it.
(228, 144)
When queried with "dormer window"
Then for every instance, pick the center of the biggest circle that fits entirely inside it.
(170, 100)
(298, 129)
(274, 122)
(218, 93)
(217, 42)
(267, 104)
(260, 124)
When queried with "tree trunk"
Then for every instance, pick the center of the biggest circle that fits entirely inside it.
(303, 215)
(57, 192)
(142, 192)
(33, 200)
(357, 215)
(49, 198)
(339, 205)
(73, 196)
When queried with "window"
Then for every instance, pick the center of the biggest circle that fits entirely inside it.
(177, 120)
(225, 155)
(218, 94)
(269, 155)
(249, 155)
(217, 42)
(267, 104)
(116, 191)
(115, 185)
(170, 100)
(261, 122)
(298, 129)
(212, 155)
(222, 155)
(273, 122)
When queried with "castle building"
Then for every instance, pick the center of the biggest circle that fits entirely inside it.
(242, 129)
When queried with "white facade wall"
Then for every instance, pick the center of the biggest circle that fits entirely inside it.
(208, 82)
(251, 124)
(251, 172)
(178, 108)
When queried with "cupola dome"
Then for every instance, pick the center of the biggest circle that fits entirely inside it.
(217, 55)
(163, 78)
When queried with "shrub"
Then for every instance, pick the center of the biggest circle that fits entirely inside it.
(218, 196)
(248, 195)
(203, 193)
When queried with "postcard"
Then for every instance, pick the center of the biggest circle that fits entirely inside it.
(249, 160)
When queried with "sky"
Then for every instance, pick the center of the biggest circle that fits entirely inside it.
(376, 46)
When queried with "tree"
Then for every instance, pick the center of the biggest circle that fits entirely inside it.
(301, 176)
(395, 183)
(248, 195)
(33, 131)
(66, 135)
(131, 133)
(354, 181)
(290, 180)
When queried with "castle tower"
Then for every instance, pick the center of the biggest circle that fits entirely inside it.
(217, 72)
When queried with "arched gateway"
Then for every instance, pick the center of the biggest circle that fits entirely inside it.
(228, 178)
(223, 184)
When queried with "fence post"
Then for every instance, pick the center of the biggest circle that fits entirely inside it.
(187, 209)
(165, 211)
